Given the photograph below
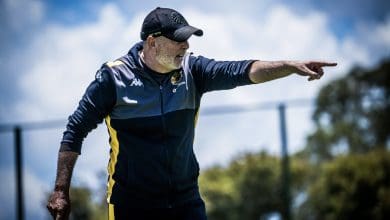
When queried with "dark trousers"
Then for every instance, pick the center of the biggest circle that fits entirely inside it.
(193, 211)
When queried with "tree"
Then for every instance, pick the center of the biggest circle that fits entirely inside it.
(352, 114)
(219, 192)
(258, 183)
(249, 187)
(82, 206)
(351, 187)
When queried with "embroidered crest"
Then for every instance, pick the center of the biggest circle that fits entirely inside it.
(176, 77)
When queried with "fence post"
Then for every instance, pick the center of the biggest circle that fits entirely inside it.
(19, 172)
(286, 199)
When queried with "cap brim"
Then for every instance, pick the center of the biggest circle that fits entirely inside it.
(183, 33)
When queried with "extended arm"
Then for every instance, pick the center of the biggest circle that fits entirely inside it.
(59, 202)
(263, 71)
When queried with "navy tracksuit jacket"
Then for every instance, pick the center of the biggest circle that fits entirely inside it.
(151, 125)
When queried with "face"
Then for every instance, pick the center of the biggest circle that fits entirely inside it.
(169, 53)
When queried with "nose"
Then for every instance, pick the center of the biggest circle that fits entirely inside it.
(185, 44)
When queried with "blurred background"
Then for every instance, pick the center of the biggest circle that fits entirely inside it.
(337, 129)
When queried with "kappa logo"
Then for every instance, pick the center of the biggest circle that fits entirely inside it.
(136, 82)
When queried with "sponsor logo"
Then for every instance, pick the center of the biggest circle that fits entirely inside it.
(136, 82)
(129, 101)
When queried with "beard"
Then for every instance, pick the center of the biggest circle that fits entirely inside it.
(168, 61)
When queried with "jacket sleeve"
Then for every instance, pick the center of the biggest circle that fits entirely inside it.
(210, 75)
(95, 105)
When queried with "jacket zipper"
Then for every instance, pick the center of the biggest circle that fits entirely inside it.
(168, 163)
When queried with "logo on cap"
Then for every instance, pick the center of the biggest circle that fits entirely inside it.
(177, 18)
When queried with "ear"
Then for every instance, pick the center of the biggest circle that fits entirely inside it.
(151, 41)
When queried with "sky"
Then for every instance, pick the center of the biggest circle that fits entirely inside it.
(50, 51)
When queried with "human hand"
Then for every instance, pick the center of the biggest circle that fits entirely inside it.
(59, 205)
(312, 69)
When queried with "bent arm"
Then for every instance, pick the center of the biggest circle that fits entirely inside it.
(97, 101)
(263, 71)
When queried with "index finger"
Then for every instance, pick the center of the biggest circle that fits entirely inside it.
(326, 63)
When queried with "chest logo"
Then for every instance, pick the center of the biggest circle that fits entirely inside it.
(176, 78)
(136, 82)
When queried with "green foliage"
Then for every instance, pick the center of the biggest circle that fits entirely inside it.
(82, 207)
(352, 114)
(249, 187)
(258, 184)
(351, 187)
(219, 193)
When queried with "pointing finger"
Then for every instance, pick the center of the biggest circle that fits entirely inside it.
(325, 63)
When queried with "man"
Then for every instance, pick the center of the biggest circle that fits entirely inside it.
(149, 100)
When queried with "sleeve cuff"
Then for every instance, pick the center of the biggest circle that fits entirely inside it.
(66, 146)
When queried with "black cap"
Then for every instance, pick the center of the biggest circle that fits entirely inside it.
(168, 23)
